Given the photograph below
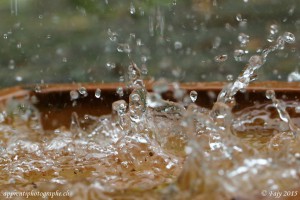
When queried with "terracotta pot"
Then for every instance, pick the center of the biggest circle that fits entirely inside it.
(56, 107)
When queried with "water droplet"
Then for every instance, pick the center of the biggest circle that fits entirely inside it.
(274, 29)
(270, 94)
(289, 37)
(193, 96)
(98, 93)
(137, 105)
(229, 77)
(74, 95)
(132, 8)
(177, 45)
(221, 58)
(83, 91)
(243, 39)
(239, 17)
(65, 59)
(297, 109)
(121, 79)
(217, 42)
(11, 64)
(144, 69)
(124, 48)
(19, 78)
(5, 36)
(110, 65)
(112, 35)
(19, 45)
(139, 42)
(238, 54)
(119, 107)
(294, 76)
(120, 91)
(37, 89)
(256, 61)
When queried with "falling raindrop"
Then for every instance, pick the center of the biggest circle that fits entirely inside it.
(243, 39)
(98, 93)
(120, 91)
(112, 35)
(19, 78)
(239, 17)
(238, 54)
(19, 45)
(217, 42)
(270, 94)
(289, 37)
(229, 77)
(110, 65)
(74, 95)
(193, 96)
(11, 64)
(294, 76)
(37, 89)
(83, 91)
(256, 61)
(132, 8)
(177, 45)
(221, 58)
(297, 109)
(124, 48)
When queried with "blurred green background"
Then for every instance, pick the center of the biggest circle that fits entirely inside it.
(95, 40)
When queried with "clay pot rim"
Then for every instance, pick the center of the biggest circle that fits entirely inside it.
(198, 86)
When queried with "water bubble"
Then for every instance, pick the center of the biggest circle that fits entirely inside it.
(270, 94)
(238, 54)
(74, 95)
(132, 8)
(289, 37)
(98, 93)
(83, 91)
(221, 58)
(193, 96)
(177, 45)
(120, 91)
(243, 39)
